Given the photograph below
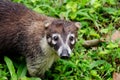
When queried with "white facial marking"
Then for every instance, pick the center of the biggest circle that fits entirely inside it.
(60, 50)
(53, 41)
(49, 39)
(73, 42)
(71, 35)
(65, 44)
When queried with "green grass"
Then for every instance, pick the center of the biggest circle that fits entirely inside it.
(98, 17)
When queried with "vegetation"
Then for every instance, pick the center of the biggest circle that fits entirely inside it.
(98, 18)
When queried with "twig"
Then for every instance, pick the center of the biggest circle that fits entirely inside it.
(91, 43)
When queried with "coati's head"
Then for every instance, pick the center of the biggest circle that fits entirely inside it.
(62, 36)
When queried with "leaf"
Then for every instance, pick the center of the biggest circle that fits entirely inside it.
(73, 16)
(104, 30)
(110, 10)
(38, 9)
(116, 76)
(84, 14)
(96, 63)
(115, 36)
(34, 1)
(94, 34)
(72, 5)
(27, 78)
(22, 70)
(104, 52)
(35, 78)
(68, 73)
(93, 72)
(112, 45)
(11, 68)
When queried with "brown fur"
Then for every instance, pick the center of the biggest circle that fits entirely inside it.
(21, 31)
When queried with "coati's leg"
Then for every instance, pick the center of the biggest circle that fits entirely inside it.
(35, 65)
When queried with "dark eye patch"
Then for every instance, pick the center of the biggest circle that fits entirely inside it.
(48, 36)
(55, 38)
(71, 38)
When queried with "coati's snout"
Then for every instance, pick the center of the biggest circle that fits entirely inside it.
(62, 35)
(65, 54)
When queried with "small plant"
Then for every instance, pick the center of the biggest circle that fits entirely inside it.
(18, 73)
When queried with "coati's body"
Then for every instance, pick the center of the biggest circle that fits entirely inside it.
(29, 33)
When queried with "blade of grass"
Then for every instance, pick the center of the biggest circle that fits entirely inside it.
(11, 68)
(22, 70)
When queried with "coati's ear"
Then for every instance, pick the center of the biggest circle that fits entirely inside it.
(47, 24)
(78, 25)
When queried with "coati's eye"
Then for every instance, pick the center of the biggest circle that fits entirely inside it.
(55, 38)
(71, 38)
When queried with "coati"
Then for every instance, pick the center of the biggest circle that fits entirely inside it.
(40, 39)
